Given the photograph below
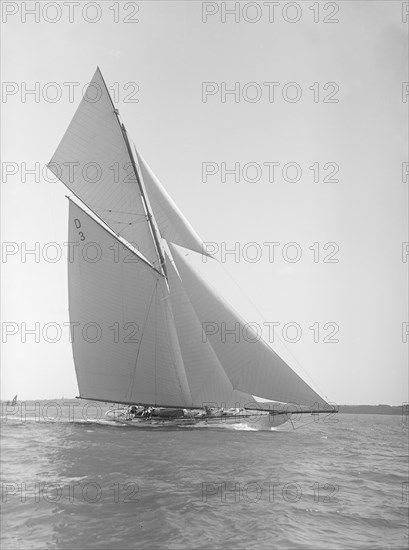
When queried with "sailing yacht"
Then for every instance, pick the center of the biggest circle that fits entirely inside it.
(13, 402)
(137, 307)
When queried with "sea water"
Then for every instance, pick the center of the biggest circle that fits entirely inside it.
(73, 480)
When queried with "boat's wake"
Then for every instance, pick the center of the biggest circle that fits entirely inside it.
(145, 424)
(189, 425)
(227, 423)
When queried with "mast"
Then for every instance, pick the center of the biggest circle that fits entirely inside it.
(144, 201)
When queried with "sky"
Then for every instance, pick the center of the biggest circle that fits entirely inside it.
(317, 90)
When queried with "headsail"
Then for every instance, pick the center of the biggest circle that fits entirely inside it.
(251, 365)
(93, 161)
(172, 224)
(124, 342)
(207, 380)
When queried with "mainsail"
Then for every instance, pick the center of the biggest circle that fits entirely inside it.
(122, 329)
(137, 316)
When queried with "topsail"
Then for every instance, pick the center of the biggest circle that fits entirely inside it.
(94, 162)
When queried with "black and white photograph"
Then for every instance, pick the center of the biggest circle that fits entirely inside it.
(204, 259)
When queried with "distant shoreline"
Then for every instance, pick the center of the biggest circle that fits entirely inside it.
(373, 409)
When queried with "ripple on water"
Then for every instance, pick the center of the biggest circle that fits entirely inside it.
(321, 486)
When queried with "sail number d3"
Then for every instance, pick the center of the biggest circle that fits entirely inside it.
(77, 224)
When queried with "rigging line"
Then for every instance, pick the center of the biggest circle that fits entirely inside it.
(112, 220)
(263, 317)
(156, 338)
(124, 212)
(113, 211)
